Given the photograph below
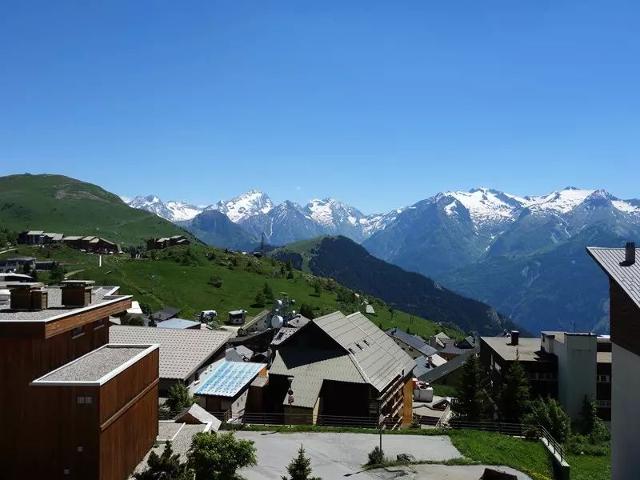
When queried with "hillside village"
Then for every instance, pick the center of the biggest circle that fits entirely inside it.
(270, 362)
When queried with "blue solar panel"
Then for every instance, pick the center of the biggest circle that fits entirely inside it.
(228, 378)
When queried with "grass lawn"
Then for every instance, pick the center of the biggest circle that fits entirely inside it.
(585, 467)
(491, 448)
(180, 277)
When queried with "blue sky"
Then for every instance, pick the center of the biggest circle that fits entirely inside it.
(379, 104)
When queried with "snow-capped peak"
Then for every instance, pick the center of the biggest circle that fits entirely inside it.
(246, 205)
(331, 213)
(562, 201)
(484, 205)
(172, 210)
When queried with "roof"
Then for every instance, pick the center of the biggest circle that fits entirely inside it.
(412, 341)
(377, 356)
(239, 353)
(298, 321)
(165, 314)
(178, 323)
(283, 334)
(227, 379)
(72, 237)
(527, 350)
(433, 374)
(182, 352)
(97, 366)
(101, 296)
(237, 312)
(196, 414)
(309, 368)
(611, 260)
(35, 232)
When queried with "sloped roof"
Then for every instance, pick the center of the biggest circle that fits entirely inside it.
(196, 414)
(374, 353)
(411, 340)
(227, 379)
(611, 260)
(309, 368)
(178, 323)
(182, 352)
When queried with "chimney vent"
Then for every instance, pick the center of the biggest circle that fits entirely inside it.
(515, 337)
(76, 293)
(630, 253)
(29, 296)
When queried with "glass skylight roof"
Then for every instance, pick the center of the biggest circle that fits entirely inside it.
(228, 378)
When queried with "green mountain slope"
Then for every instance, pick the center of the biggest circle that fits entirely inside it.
(351, 265)
(184, 277)
(61, 204)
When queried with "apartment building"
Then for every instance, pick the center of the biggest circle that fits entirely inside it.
(72, 406)
(623, 272)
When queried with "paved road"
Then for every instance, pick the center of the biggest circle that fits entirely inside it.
(336, 455)
(441, 472)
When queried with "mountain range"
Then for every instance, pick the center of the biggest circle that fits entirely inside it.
(524, 255)
(281, 223)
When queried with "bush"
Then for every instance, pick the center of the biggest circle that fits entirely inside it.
(179, 399)
(215, 281)
(376, 456)
(166, 467)
(306, 310)
(217, 456)
(259, 301)
(549, 414)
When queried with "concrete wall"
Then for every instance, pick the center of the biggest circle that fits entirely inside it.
(577, 371)
(625, 421)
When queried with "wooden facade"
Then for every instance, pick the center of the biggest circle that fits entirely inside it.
(53, 431)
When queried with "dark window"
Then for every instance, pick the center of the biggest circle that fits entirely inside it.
(77, 332)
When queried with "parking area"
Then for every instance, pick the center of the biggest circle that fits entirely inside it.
(337, 455)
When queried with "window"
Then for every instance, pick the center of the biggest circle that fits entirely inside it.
(604, 379)
(77, 332)
(84, 400)
(603, 403)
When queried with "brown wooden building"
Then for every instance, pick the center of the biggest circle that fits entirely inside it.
(623, 271)
(71, 405)
(341, 369)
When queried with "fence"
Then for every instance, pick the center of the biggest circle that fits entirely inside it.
(513, 429)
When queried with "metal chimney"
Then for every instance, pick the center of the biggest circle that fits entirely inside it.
(515, 337)
(630, 253)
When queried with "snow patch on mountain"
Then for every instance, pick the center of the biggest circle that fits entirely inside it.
(246, 205)
(484, 205)
(174, 211)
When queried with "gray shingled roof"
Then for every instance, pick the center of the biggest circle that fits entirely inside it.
(611, 260)
(378, 356)
(182, 352)
(310, 368)
(413, 341)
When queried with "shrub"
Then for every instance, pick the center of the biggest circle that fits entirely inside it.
(215, 281)
(166, 466)
(217, 456)
(376, 456)
(549, 414)
(179, 399)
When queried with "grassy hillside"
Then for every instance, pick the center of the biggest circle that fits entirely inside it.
(61, 204)
(351, 265)
(184, 277)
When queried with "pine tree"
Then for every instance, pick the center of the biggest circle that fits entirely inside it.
(259, 300)
(300, 467)
(166, 466)
(514, 395)
(472, 401)
(268, 292)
